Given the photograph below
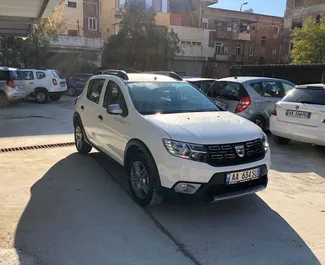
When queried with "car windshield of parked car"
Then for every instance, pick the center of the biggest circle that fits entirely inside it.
(306, 95)
(168, 97)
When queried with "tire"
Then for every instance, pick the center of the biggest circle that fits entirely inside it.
(79, 139)
(71, 92)
(41, 96)
(259, 121)
(147, 194)
(3, 100)
(280, 140)
(55, 97)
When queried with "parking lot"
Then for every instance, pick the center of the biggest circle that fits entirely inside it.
(59, 207)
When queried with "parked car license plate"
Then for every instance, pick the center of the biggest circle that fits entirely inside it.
(298, 114)
(221, 105)
(243, 176)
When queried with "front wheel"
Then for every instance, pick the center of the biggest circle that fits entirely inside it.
(79, 139)
(280, 140)
(143, 180)
(55, 97)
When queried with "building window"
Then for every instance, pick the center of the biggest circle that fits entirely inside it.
(263, 41)
(299, 3)
(218, 48)
(276, 30)
(92, 23)
(250, 50)
(318, 17)
(205, 23)
(182, 42)
(72, 4)
(237, 49)
(72, 32)
(226, 50)
(188, 42)
(274, 50)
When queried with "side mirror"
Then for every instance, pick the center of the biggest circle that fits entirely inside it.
(114, 109)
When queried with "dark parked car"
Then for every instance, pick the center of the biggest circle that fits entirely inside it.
(76, 83)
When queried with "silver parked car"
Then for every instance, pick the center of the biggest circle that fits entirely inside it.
(11, 86)
(253, 98)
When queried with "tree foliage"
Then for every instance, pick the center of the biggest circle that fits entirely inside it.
(140, 43)
(33, 51)
(309, 43)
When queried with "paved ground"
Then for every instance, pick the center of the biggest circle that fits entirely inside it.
(58, 207)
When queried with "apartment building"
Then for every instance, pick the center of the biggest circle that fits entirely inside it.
(296, 12)
(222, 38)
(80, 35)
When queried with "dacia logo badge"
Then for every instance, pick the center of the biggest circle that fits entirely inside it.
(240, 150)
(297, 107)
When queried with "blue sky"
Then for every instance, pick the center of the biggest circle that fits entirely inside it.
(267, 7)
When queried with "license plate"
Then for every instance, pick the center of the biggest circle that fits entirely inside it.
(298, 114)
(62, 85)
(221, 105)
(243, 176)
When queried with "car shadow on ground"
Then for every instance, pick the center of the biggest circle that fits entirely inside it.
(239, 231)
(298, 157)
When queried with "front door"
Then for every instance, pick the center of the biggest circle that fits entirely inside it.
(113, 129)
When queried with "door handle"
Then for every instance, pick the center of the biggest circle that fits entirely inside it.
(31, 83)
(82, 107)
(268, 101)
(100, 117)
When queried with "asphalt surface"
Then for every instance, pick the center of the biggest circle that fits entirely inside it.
(59, 207)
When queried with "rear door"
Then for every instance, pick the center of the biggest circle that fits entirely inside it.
(305, 106)
(29, 82)
(227, 94)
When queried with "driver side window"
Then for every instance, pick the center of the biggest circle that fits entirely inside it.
(114, 95)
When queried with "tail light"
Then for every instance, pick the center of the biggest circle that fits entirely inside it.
(76, 100)
(243, 104)
(274, 111)
(54, 81)
(11, 83)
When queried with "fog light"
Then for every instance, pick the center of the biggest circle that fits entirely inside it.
(188, 188)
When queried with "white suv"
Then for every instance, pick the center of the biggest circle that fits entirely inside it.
(44, 84)
(170, 138)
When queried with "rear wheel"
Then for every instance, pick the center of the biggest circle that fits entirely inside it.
(143, 180)
(280, 140)
(3, 100)
(71, 92)
(55, 97)
(41, 96)
(79, 139)
(259, 121)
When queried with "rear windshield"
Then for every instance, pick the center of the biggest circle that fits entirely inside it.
(227, 90)
(306, 95)
(10, 74)
(57, 74)
(203, 85)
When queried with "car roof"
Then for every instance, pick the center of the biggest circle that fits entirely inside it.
(319, 86)
(139, 77)
(243, 79)
(195, 79)
(8, 68)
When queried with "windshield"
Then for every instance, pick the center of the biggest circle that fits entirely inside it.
(168, 97)
(306, 95)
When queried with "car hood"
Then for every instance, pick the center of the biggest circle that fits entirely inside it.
(206, 127)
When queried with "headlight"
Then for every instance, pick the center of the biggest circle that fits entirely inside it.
(265, 142)
(186, 150)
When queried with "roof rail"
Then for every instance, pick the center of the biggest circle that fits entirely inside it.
(168, 73)
(120, 73)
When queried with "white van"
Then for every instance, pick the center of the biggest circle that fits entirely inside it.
(44, 84)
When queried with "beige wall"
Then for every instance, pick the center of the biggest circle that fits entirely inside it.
(107, 18)
(71, 16)
(162, 19)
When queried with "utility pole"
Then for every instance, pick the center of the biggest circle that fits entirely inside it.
(241, 7)
(78, 27)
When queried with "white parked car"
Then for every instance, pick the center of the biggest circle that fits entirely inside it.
(300, 116)
(44, 84)
(170, 137)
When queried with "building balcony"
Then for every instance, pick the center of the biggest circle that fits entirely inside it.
(77, 43)
(243, 36)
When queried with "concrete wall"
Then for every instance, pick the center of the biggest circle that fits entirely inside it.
(71, 18)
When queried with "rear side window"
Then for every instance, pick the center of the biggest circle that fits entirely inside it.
(227, 90)
(40, 75)
(306, 95)
(95, 89)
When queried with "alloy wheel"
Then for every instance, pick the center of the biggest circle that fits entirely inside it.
(139, 179)
(78, 137)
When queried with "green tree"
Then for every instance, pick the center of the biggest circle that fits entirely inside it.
(309, 43)
(33, 51)
(140, 43)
